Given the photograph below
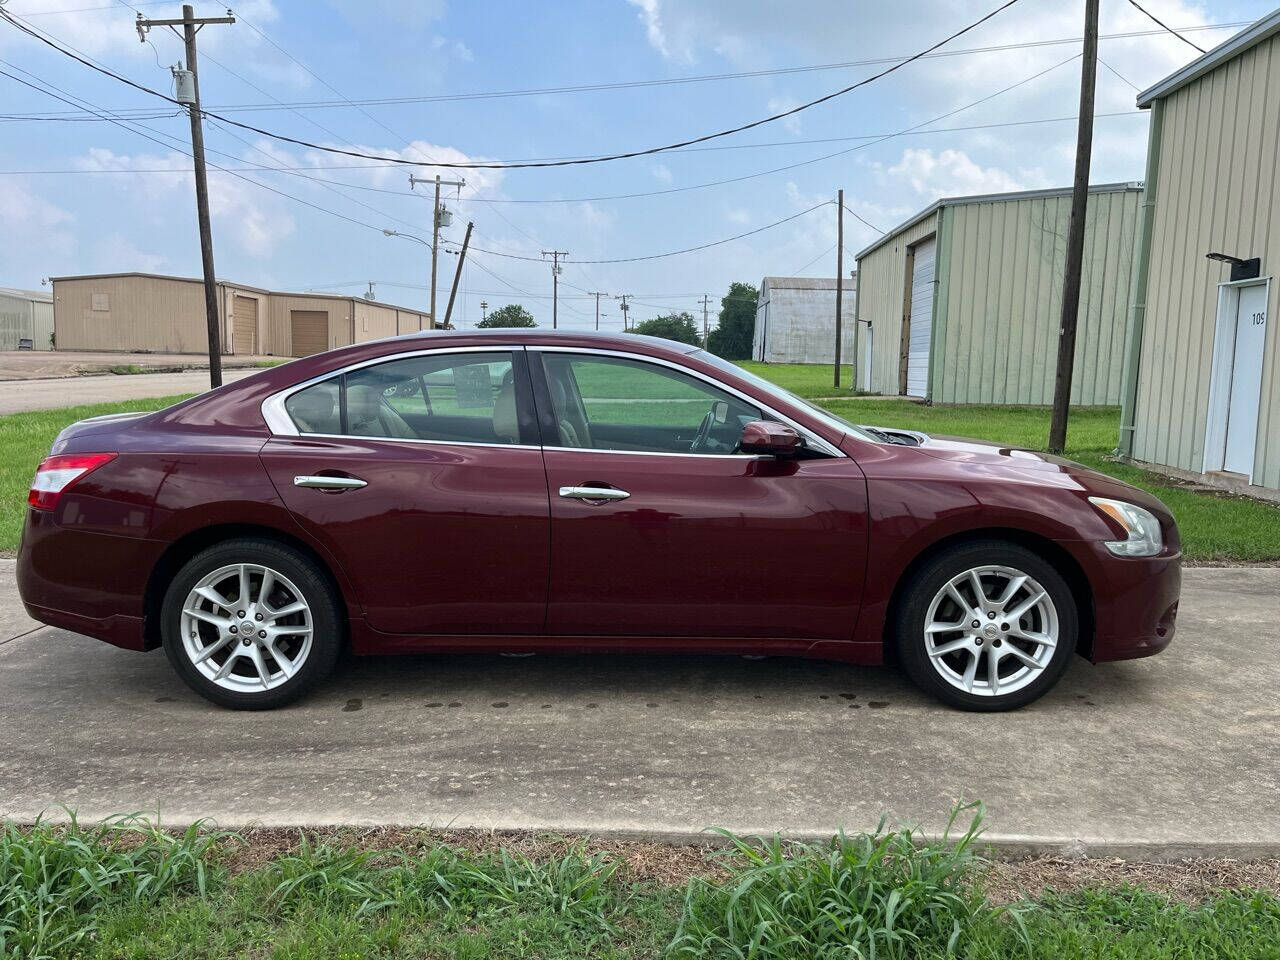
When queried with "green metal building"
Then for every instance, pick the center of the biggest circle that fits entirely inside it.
(962, 302)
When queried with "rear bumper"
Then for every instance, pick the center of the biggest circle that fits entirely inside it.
(1135, 602)
(85, 581)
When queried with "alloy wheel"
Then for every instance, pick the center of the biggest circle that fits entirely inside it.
(991, 630)
(246, 627)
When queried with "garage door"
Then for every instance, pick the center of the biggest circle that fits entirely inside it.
(310, 330)
(921, 320)
(245, 333)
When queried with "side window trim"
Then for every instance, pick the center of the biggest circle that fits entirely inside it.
(550, 432)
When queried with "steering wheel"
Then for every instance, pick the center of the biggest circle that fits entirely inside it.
(704, 431)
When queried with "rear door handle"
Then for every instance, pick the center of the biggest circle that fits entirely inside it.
(593, 493)
(329, 483)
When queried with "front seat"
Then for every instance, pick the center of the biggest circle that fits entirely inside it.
(506, 426)
(368, 415)
(571, 426)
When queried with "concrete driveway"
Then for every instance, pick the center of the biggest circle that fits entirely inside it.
(20, 396)
(1169, 756)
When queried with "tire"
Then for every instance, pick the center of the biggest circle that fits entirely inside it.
(300, 620)
(955, 665)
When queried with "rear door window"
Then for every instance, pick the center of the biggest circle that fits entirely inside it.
(459, 397)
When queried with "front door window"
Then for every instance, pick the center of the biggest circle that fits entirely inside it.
(608, 403)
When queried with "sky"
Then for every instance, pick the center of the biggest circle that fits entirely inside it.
(80, 195)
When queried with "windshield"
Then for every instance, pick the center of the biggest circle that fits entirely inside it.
(832, 420)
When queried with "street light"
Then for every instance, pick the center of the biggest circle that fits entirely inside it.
(405, 236)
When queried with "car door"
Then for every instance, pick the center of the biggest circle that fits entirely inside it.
(659, 528)
(422, 476)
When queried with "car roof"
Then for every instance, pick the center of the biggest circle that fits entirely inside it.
(539, 337)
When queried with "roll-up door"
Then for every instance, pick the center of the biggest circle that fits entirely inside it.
(310, 330)
(244, 341)
(922, 285)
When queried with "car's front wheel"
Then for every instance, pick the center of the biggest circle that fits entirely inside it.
(251, 624)
(986, 626)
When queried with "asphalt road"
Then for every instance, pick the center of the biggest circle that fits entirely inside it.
(1170, 756)
(19, 396)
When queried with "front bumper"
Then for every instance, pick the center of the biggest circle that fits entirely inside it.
(1135, 601)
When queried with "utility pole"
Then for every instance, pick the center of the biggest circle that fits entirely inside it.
(190, 27)
(705, 329)
(484, 306)
(592, 293)
(437, 221)
(1075, 235)
(555, 256)
(457, 276)
(625, 307)
(839, 276)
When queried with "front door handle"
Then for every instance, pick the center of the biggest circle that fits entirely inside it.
(329, 483)
(593, 493)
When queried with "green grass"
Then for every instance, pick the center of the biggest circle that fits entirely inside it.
(125, 890)
(804, 379)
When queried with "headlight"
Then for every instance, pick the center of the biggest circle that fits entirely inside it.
(1145, 538)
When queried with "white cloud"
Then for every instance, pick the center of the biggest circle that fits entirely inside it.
(257, 222)
(738, 215)
(24, 213)
(661, 172)
(952, 173)
(117, 253)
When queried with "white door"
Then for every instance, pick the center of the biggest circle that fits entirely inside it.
(921, 330)
(1246, 379)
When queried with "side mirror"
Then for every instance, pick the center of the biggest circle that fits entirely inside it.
(772, 439)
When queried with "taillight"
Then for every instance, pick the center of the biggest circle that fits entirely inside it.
(55, 475)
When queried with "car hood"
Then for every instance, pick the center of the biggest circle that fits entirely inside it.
(1018, 460)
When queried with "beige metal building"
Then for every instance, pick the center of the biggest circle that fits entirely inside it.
(1202, 387)
(26, 319)
(962, 303)
(132, 312)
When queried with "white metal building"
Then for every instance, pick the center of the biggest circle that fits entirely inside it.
(796, 320)
(26, 319)
(962, 302)
(1202, 384)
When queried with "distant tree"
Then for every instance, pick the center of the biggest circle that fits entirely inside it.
(736, 327)
(512, 315)
(675, 326)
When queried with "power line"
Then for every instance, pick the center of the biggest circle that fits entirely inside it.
(1164, 26)
(497, 165)
(862, 220)
(799, 163)
(630, 84)
(1117, 73)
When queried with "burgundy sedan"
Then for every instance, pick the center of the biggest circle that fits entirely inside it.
(532, 492)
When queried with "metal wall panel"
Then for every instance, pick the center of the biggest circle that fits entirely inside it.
(156, 314)
(1000, 273)
(796, 324)
(881, 288)
(1219, 191)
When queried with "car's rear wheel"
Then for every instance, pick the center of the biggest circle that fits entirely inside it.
(986, 626)
(251, 624)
